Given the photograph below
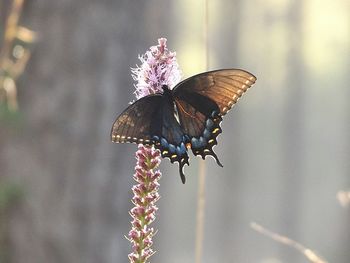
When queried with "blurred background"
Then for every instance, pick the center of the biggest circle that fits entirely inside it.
(65, 188)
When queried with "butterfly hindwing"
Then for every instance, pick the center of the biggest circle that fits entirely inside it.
(168, 135)
(201, 123)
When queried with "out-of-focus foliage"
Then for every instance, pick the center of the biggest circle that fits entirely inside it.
(10, 194)
(14, 53)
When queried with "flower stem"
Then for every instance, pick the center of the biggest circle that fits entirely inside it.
(202, 168)
(145, 197)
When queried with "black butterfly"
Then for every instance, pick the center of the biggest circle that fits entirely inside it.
(185, 117)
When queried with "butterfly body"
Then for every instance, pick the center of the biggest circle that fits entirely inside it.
(186, 117)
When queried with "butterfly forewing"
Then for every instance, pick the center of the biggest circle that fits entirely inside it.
(224, 87)
(134, 124)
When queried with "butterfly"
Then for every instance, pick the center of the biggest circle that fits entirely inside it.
(185, 117)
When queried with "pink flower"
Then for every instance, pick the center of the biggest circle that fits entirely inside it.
(145, 196)
(159, 67)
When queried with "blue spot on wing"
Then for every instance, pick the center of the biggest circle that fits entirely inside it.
(180, 150)
(164, 143)
(176, 153)
(206, 133)
(203, 145)
(172, 148)
(209, 124)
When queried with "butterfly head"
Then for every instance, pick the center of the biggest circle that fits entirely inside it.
(166, 91)
(165, 88)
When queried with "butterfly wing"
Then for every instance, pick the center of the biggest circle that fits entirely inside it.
(224, 86)
(151, 121)
(134, 124)
(200, 123)
(203, 99)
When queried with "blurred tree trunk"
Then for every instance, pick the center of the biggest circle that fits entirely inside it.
(61, 155)
(346, 241)
(294, 152)
(226, 52)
